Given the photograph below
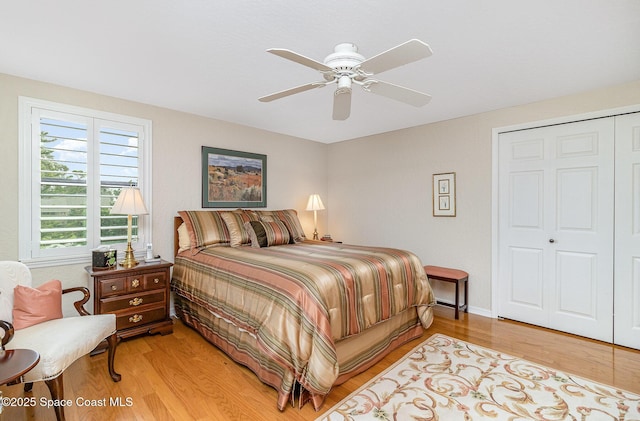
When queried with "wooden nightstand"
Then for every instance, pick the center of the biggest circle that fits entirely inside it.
(139, 297)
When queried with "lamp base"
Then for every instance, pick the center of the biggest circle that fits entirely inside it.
(129, 259)
(315, 234)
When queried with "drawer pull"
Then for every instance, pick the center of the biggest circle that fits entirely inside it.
(156, 281)
(113, 287)
(135, 283)
(135, 318)
(135, 302)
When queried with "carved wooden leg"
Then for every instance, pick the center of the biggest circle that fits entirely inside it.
(57, 395)
(113, 343)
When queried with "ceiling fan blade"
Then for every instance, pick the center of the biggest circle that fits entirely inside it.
(410, 51)
(300, 59)
(342, 104)
(291, 91)
(399, 93)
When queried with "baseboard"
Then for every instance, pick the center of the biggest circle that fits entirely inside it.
(475, 310)
(480, 311)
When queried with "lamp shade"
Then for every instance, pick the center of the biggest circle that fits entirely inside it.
(129, 202)
(314, 203)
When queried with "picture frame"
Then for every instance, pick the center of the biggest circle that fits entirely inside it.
(233, 179)
(444, 194)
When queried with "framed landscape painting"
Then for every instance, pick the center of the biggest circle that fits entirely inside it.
(233, 179)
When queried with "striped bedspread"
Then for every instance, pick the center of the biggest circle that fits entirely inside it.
(298, 300)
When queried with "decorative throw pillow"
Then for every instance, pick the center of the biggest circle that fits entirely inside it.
(290, 218)
(257, 235)
(36, 305)
(235, 221)
(205, 228)
(267, 217)
(266, 234)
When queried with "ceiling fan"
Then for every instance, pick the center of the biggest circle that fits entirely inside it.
(345, 67)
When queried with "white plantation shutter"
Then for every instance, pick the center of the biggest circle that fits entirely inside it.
(74, 163)
(60, 173)
(119, 158)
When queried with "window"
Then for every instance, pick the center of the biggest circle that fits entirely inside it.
(74, 162)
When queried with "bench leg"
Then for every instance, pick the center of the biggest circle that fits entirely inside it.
(457, 300)
(466, 296)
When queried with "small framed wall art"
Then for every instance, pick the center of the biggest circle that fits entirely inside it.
(444, 194)
(233, 179)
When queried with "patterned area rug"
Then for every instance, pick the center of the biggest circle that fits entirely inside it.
(448, 379)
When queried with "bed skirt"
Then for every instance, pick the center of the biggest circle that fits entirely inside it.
(355, 354)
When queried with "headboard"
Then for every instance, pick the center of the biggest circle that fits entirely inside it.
(177, 221)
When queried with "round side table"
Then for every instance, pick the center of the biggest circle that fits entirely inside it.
(15, 362)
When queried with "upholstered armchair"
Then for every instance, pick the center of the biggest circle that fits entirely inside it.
(59, 340)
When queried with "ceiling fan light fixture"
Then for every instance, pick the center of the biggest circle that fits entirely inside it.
(344, 85)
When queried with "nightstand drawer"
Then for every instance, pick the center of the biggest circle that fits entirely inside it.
(155, 280)
(112, 286)
(137, 318)
(113, 304)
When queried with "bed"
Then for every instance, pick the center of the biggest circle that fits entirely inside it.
(303, 315)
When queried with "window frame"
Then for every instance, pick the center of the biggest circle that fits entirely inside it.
(30, 110)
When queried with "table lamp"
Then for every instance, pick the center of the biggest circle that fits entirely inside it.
(315, 204)
(129, 203)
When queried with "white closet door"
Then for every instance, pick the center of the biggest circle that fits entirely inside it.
(556, 227)
(627, 254)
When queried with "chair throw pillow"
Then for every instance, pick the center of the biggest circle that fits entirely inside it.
(36, 305)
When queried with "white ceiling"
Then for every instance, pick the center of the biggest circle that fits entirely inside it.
(207, 57)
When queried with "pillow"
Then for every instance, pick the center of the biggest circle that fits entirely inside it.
(184, 241)
(266, 234)
(267, 217)
(235, 221)
(257, 235)
(205, 228)
(36, 305)
(290, 219)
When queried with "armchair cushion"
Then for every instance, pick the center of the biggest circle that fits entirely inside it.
(62, 341)
(36, 305)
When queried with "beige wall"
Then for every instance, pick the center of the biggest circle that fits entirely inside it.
(295, 167)
(380, 186)
(377, 189)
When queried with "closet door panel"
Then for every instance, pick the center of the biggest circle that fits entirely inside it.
(526, 287)
(577, 272)
(627, 257)
(522, 224)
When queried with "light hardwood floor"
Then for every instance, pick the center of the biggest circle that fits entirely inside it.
(182, 377)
